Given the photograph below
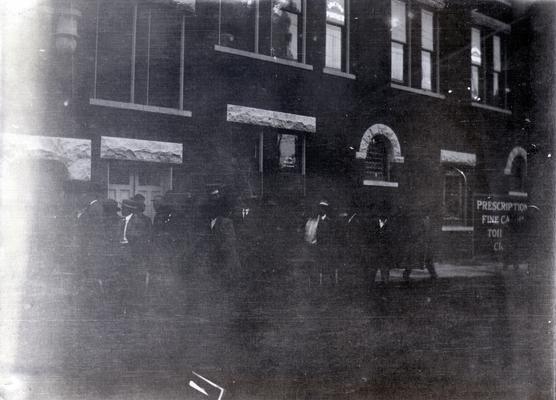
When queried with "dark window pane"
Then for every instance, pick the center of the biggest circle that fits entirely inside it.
(119, 175)
(114, 51)
(164, 58)
(376, 163)
(517, 178)
(142, 54)
(453, 197)
(246, 158)
(238, 21)
(149, 177)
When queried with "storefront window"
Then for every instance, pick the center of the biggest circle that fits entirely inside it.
(455, 199)
(267, 162)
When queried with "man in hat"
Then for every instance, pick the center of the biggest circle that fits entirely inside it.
(319, 235)
(382, 245)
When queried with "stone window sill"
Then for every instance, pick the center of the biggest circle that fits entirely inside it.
(417, 91)
(337, 72)
(370, 182)
(457, 228)
(262, 57)
(140, 107)
(517, 193)
(491, 108)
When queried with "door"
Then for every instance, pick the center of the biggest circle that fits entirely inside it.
(126, 179)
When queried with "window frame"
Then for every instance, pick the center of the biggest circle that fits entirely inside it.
(131, 103)
(464, 219)
(260, 18)
(383, 142)
(487, 71)
(345, 39)
(413, 49)
(405, 45)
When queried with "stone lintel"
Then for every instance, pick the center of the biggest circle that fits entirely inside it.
(117, 148)
(273, 119)
(75, 154)
(456, 157)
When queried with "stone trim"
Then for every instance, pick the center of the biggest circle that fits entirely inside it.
(516, 151)
(457, 228)
(117, 148)
(417, 91)
(370, 182)
(489, 22)
(139, 107)
(75, 154)
(456, 157)
(337, 72)
(273, 119)
(490, 108)
(395, 153)
(262, 57)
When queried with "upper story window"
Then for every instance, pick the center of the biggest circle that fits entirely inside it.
(337, 35)
(139, 54)
(489, 80)
(275, 28)
(414, 42)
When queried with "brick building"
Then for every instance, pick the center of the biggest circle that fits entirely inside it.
(417, 104)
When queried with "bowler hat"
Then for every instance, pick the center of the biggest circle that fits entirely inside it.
(131, 204)
(139, 198)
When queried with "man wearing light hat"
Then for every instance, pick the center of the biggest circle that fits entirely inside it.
(319, 235)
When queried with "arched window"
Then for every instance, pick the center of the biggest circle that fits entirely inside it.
(379, 148)
(518, 174)
(516, 170)
(455, 196)
(376, 162)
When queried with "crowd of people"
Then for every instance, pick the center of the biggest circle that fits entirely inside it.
(231, 245)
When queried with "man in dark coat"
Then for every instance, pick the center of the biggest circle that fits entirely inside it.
(225, 259)
(135, 234)
(382, 246)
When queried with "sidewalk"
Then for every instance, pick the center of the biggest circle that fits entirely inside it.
(447, 270)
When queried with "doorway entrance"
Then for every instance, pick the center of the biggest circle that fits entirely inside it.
(126, 179)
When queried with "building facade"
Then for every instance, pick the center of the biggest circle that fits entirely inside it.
(413, 105)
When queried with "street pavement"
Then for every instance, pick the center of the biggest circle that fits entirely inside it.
(478, 332)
